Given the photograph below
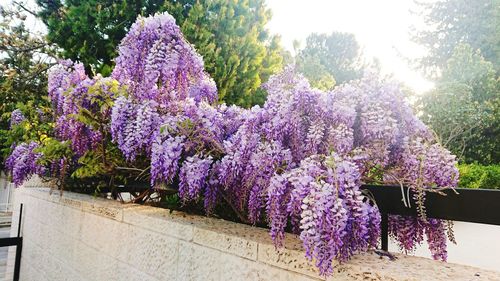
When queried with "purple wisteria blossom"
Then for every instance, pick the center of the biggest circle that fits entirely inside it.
(165, 158)
(22, 162)
(157, 63)
(16, 117)
(324, 202)
(134, 126)
(68, 87)
(193, 176)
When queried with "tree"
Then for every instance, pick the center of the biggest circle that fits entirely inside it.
(24, 60)
(451, 22)
(330, 59)
(464, 108)
(230, 35)
(90, 30)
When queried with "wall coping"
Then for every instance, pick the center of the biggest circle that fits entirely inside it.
(254, 244)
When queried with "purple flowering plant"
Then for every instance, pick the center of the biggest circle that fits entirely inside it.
(296, 164)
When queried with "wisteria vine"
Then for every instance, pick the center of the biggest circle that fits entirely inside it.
(297, 162)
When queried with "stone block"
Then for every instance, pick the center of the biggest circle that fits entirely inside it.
(225, 242)
(161, 221)
(198, 263)
(287, 259)
(149, 252)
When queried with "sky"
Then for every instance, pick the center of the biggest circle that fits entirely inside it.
(381, 27)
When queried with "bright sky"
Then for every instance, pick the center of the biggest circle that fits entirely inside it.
(381, 27)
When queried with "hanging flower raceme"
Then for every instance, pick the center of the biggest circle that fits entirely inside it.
(422, 166)
(245, 174)
(134, 126)
(323, 201)
(157, 63)
(64, 77)
(305, 120)
(22, 162)
(194, 176)
(165, 158)
(16, 117)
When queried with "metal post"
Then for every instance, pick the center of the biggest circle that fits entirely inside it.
(384, 226)
(19, 222)
(17, 265)
(19, 247)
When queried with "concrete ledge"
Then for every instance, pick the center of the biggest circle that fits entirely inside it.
(80, 237)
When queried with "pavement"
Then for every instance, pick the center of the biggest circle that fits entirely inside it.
(4, 232)
(5, 219)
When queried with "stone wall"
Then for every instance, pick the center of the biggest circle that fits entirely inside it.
(78, 237)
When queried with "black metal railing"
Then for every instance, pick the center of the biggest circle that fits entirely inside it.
(15, 241)
(469, 205)
(460, 204)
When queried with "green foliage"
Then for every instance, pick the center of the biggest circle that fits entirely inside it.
(230, 35)
(37, 127)
(316, 73)
(330, 59)
(54, 150)
(451, 22)
(90, 30)
(172, 201)
(463, 109)
(91, 165)
(24, 60)
(479, 176)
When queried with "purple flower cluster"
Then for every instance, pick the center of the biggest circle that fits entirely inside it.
(425, 165)
(63, 77)
(305, 120)
(409, 233)
(69, 93)
(278, 156)
(168, 90)
(157, 63)
(368, 125)
(421, 165)
(321, 197)
(16, 117)
(22, 162)
(134, 126)
(165, 158)
(193, 176)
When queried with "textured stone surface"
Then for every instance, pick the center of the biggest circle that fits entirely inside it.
(77, 237)
(226, 243)
(288, 259)
(162, 221)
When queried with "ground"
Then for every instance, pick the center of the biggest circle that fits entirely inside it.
(5, 219)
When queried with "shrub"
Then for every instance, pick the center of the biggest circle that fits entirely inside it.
(479, 176)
